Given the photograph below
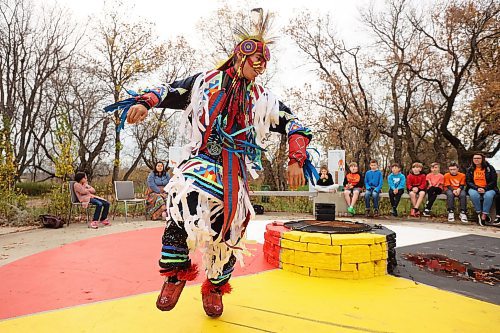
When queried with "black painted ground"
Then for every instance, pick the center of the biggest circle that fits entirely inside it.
(480, 251)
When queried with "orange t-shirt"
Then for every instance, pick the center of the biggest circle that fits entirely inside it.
(435, 180)
(353, 179)
(480, 177)
(454, 181)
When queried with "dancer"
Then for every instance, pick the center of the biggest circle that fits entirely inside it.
(208, 206)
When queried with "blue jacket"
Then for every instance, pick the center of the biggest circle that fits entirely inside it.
(397, 181)
(154, 181)
(373, 180)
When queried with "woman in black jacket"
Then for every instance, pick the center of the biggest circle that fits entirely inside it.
(481, 178)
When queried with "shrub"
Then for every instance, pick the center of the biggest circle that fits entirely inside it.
(13, 208)
(59, 201)
(34, 188)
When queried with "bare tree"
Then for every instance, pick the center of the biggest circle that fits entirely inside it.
(453, 38)
(395, 42)
(82, 101)
(348, 105)
(32, 49)
(154, 136)
(125, 50)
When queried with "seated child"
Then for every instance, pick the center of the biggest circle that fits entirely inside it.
(397, 182)
(86, 194)
(325, 181)
(454, 185)
(416, 185)
(325, 178)
(353, 183)
(373, 186)
(435, 181)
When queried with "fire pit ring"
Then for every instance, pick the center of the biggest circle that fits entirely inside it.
(334, 249)
(328, 227)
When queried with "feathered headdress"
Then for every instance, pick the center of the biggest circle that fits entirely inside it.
(260, 26)
(253, 40)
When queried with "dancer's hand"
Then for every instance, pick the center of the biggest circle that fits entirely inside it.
(295, 176)
(136, 114)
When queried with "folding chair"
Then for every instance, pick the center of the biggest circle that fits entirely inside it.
(75, 202)
(125, 192)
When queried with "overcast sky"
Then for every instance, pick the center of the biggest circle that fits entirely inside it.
(174, 18)
(180, 17)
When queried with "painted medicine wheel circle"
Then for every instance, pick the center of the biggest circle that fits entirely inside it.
(368, 253)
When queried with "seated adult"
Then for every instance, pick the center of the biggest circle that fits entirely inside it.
(86, 194)
(155, 194)
(481, 178)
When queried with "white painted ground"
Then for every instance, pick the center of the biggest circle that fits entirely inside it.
(413, 235)
(405, 235)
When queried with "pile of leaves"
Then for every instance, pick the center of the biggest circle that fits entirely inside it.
(441, 264)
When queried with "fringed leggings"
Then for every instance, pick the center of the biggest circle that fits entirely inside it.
(175, 252)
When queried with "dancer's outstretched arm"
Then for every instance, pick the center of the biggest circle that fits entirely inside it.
(176, 96)
(299, 137)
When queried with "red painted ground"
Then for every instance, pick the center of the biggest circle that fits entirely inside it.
(91, 270)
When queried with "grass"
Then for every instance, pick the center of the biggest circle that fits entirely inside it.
(35, 188)
(274, 204)
(439, 208)
(305, 205)
(284, 204)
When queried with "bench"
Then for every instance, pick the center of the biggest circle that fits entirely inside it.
(405, 195)
(334, 197)
(440, 196)
(284, 193)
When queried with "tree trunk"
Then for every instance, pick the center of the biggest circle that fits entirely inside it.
(464, 158)
(439, 148)
(396, 138)
(398, 147)
(367, 148)
(118, 148)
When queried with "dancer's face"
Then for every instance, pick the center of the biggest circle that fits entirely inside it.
(254, 66)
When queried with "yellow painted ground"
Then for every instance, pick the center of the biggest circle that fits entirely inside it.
(279, 301)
